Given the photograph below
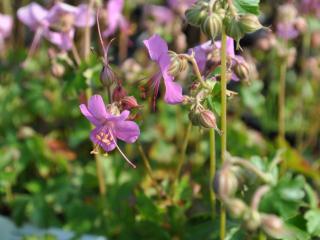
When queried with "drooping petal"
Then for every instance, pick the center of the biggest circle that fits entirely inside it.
(156, 47)
(173, 94)
(97, 108)
(64, 40)
(33, 15)
(83, 16)
(102, 137)
(84, 110)
(6, 23)
(127, 131)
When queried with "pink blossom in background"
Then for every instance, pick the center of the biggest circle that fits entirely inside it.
(58, 24)
(158, 52)
(115, 18)
(161, 14)
(6, 24)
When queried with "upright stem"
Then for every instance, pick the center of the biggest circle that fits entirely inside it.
(147, 165)
(182, 156)
(281, 100)
(262, 236)
(281, 109)
(212, 171)
(223, 55)
(100, 175)
(123, 46)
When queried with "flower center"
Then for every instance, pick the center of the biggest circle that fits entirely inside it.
(104, 137)
(64, 22)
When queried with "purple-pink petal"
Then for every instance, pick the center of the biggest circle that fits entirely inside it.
(84, 110)
(127, 131)
(84, 16)
(64, 40)
(115, 18)
(156, 47)
(97, 108)
(33, 15)
(287, 31)
(161, 14)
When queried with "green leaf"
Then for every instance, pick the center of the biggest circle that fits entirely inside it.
(296, 234)
(247, 6)
(313, 222)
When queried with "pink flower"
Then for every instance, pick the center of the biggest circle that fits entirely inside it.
(6, 23)
(161, 14)
(109, 127)
(58, 24)
(158, 51)
(115, 18)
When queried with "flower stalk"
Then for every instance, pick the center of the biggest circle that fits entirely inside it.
(212, 171)
(223, 55)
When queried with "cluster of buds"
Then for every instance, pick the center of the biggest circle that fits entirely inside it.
(209, 17)
(239, 25)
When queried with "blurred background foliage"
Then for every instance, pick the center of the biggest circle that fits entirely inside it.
(48, 177)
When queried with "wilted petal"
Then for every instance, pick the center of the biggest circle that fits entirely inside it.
(156, 47)
(127, 131)
(97, 108)
(84, 110)
(84, 17)
(102, 137)
(32, 15)
(64, 40)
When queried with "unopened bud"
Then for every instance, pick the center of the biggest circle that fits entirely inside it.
(118, 93)
(236, 207)
(128, 103)
(196, 15)
(207, 119)
(273, 226)
(57, 70)
(212, 25)
(226, 183)
(194, 116)
(241, 69)
(107, 76)
(252, 220)
(249, 23)
(233, 28)
(177, 64)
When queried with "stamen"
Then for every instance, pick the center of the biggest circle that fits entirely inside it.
(123, 155)
(95, 149)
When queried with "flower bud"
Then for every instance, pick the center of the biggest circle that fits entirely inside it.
(249, 23)
(233, 28)
(57, 69)
(273, 226)
(196, 15)
(207, 119)
(241, 69)
(226, 183)
(212, 25)
(252, 220)
(194, 117)
(236, 207)
(118, 93)
(300, 24)
(177, 64)
(128, 103)
(107, 76)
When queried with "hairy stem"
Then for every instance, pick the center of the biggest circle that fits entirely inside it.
(223, 55)
(100, 175)
(182, 157)
(212, 171)
(147, 165)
